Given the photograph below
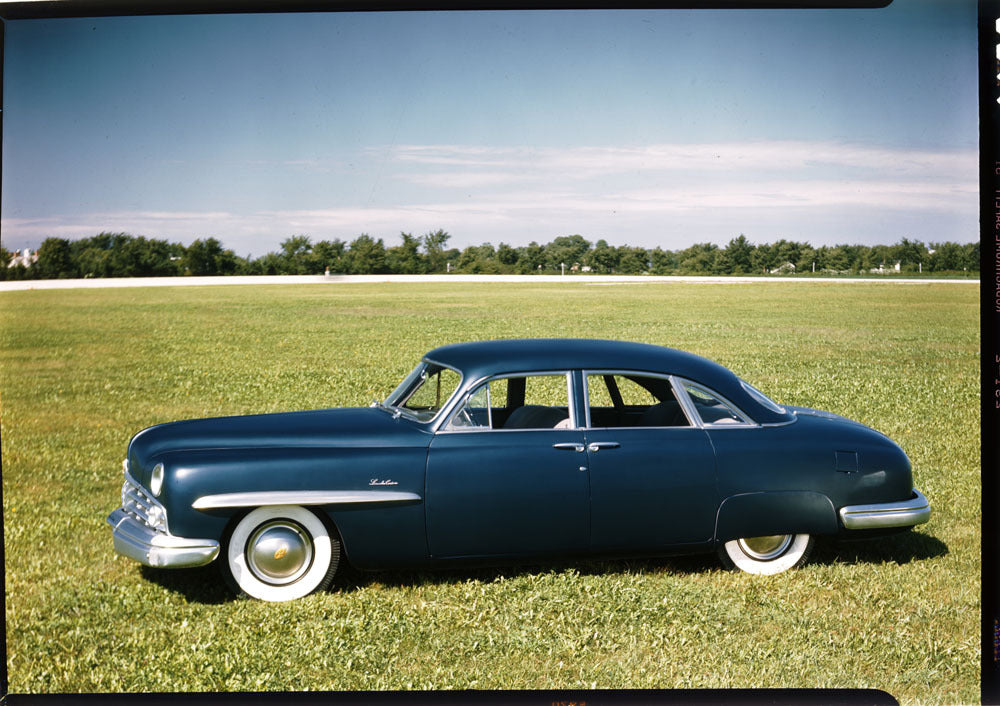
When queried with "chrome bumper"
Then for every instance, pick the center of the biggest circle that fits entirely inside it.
(904, 513)
(147, 546)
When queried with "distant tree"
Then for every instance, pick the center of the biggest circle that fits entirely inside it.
(662, 262)
(405, 258)
(602, 259)
(434, 248)
(785, 251)
(807, 256)
(566, 249)
(739, 252)
(632, 260)
(365, 255)
(296, 256)
(329, 253)
(208, 257)
(478, 259)
(971, 256)
(530, 258)
(54, 260)
(911, 254)
(5, 259)
(698, 259)
(507, 257)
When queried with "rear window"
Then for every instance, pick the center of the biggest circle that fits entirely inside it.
(762, 399)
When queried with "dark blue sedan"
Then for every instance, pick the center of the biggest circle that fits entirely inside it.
(502, 450)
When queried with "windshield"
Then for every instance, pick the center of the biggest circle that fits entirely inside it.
(424, 391)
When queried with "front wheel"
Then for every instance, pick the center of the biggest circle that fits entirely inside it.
(281, 552)
(771, 554)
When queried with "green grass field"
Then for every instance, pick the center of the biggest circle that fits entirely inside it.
(82, 370)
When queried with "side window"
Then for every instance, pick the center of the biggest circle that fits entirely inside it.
(711, 409)
(626, 400)
(523, 402)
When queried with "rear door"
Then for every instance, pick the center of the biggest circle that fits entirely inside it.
(652, 473)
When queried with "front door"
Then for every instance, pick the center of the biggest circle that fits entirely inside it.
(507, 476)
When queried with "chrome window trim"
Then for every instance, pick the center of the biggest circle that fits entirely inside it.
(686, 408)
(443, 425)
(686, 404)
(444, 408)
(748, 422)
(302, 497)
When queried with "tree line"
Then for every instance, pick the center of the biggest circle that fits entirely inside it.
(125, 255)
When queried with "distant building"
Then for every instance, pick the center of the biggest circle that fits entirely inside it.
(783, 269)
(881, 269)
(24, 258)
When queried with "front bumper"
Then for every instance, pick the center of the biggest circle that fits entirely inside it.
(147, 546)
(904, 513)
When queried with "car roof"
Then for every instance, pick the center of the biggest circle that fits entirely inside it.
(480, 359)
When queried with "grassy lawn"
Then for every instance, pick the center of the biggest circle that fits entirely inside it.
(82, 370)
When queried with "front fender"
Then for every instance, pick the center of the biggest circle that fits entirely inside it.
(359, 488)
(779, 512)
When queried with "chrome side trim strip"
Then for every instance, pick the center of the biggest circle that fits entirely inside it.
(904, 513)
(303, 497)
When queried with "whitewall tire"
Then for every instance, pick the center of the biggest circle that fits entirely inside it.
(767, 555)
(280, 553)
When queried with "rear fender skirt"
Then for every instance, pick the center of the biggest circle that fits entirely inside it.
(339, 498)
(786, 512)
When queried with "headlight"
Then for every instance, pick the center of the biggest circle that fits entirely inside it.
(156, 479)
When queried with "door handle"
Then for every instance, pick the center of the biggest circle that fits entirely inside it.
(569, 446)
(598, 445)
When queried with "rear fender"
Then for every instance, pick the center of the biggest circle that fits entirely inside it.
(785, 512)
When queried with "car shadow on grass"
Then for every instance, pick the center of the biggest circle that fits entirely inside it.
(901, 548)
(205, 584)
(350, 579)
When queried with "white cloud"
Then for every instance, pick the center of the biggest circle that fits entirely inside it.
(760, 157)
(692, 193)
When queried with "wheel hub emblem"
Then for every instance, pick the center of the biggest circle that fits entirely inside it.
(280, 554)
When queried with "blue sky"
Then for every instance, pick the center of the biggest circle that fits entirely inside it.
(660, 128)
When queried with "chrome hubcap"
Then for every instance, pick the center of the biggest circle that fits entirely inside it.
(765, 548)
(279, 552)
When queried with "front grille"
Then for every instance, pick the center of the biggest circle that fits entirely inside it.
(139, 504)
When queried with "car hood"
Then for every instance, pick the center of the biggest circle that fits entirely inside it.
(362, 426)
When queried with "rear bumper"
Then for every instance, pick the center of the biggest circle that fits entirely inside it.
(904, 513)
(147, 546)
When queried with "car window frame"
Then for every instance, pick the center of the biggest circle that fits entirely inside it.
(679, 382)
(686, 405)
(407, 414)
(444, 427)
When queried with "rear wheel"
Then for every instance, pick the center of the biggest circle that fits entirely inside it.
(281, 552)
(769, 554)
